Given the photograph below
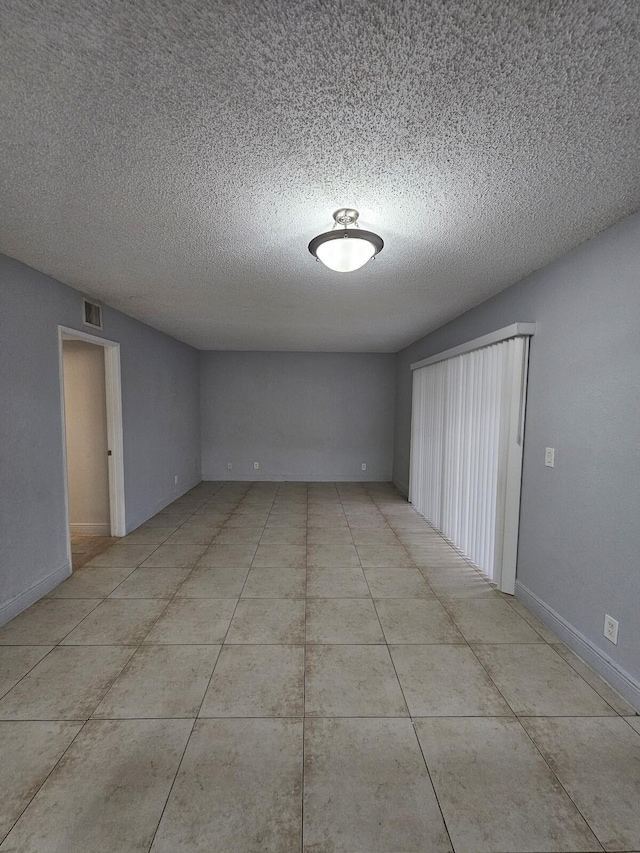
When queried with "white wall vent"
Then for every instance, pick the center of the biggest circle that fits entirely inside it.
(91, 314)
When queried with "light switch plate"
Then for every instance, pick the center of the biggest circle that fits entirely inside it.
(550, 457)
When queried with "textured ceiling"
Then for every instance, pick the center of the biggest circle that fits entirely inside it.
(175, 158)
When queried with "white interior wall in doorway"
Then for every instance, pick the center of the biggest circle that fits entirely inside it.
(113, 404)
(86, 435)
(466, 446)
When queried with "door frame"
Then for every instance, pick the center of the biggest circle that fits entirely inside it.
(115, 442)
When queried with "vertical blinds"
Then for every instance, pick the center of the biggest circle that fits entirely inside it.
(466, 451)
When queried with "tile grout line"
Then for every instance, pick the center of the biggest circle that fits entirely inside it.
(173, 782)
(555, 775)
(417, 739)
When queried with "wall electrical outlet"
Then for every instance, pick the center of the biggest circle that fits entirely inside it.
(611, 629)
(256, 465)
(364, 466)
(229, 465)
(550, 457)
(175, 480)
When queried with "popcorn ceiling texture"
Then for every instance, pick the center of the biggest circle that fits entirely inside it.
(174, 159)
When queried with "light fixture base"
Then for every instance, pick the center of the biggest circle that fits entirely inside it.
(346, 216)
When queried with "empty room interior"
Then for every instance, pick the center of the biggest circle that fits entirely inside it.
(319, 426)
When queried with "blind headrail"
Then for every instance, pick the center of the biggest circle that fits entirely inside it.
(515, 330)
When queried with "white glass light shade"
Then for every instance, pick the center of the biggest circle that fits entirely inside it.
(346, 254)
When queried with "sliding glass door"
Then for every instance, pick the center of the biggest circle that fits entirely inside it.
(466, 447)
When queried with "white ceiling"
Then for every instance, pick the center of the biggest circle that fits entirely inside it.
(175, 158)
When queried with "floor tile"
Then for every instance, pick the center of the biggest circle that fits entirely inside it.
(384, 556)
(239, 536)
(275, 583)
(397, 583)
(192, 535)
(67, 684)
(151, 583)
(415, 620)
(174, 514)
(108, 792)
(496, 791)
(29, 750)
(239, 789)
(46, 622)
(535, 681)
(432, 559)
(446, 681)
(617, 702)
(598, 762)
(90, 582)
(280, 556)
(367, 789)
(445, 574)
(16, 661)
(372, 537)
(294, 513)
(284, 536)
(228, 556)
(365, 522)
(213, 583)
(491, 622)
(268, 620)
(352, 681)
(337, 583)
(410, 524)
(193, 621)
(175, 556)
(342, 620)
(123, 556)
(257, 681)
(468, 587)
(171, 523)
(148, 535)
(328, 521)
(337, 555)
(329, 536)
(535, 623)
(117, 622)
(160, 681)
(211, 518)
(242, 521)
(85, 548)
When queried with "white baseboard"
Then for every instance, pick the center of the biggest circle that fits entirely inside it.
(270, 477)
(90, 529)
(135, 521)
(25, 599)
(598, 660)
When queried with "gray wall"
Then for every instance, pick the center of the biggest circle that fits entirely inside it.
(579, 551)
(302, 416)
(160, 419)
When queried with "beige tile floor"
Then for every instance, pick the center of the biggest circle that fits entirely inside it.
(85, 548)
(287, 667)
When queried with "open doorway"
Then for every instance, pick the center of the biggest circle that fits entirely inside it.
(92, 422)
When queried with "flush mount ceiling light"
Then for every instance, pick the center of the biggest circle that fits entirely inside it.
(345, 249)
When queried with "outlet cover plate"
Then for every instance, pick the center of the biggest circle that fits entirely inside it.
(611, 626)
